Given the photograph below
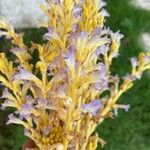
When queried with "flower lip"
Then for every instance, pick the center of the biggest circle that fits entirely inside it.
(92, 107)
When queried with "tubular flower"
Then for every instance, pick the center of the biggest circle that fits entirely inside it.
(58, 96)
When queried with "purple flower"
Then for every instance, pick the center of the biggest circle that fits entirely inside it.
(134, 62)
(13, 119)
(26, 111)
(99, 74)
(70, 57)
(102, 50)
(77, 12)
(79, 36)
(103, 70)
(51, 34)
(83, 35)
(92, 107)
(75, 27)
(43, 104)
(7, 103)
(125, 107)
(9, 99)
(6, 94)
(23, 75)
(27, 107)
(97, 31)
(26, 75)
(101, 86)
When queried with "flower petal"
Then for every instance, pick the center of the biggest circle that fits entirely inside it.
(26, 75)
(134, 62)
(8, 95)
(92, 107)
(70, 57)
(51, 34)
(102, 50)
(26, 111)
(8, 103)
(77, 12)
(14, 120)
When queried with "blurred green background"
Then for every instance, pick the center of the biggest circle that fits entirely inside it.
(129, 131)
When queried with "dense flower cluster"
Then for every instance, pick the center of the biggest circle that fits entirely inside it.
(58, 97)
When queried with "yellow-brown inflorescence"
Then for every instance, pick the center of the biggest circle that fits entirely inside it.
(58, 95)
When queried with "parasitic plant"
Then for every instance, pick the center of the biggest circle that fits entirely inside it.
(59, 97)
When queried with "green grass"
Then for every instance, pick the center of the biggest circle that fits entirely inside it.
(129, 131)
